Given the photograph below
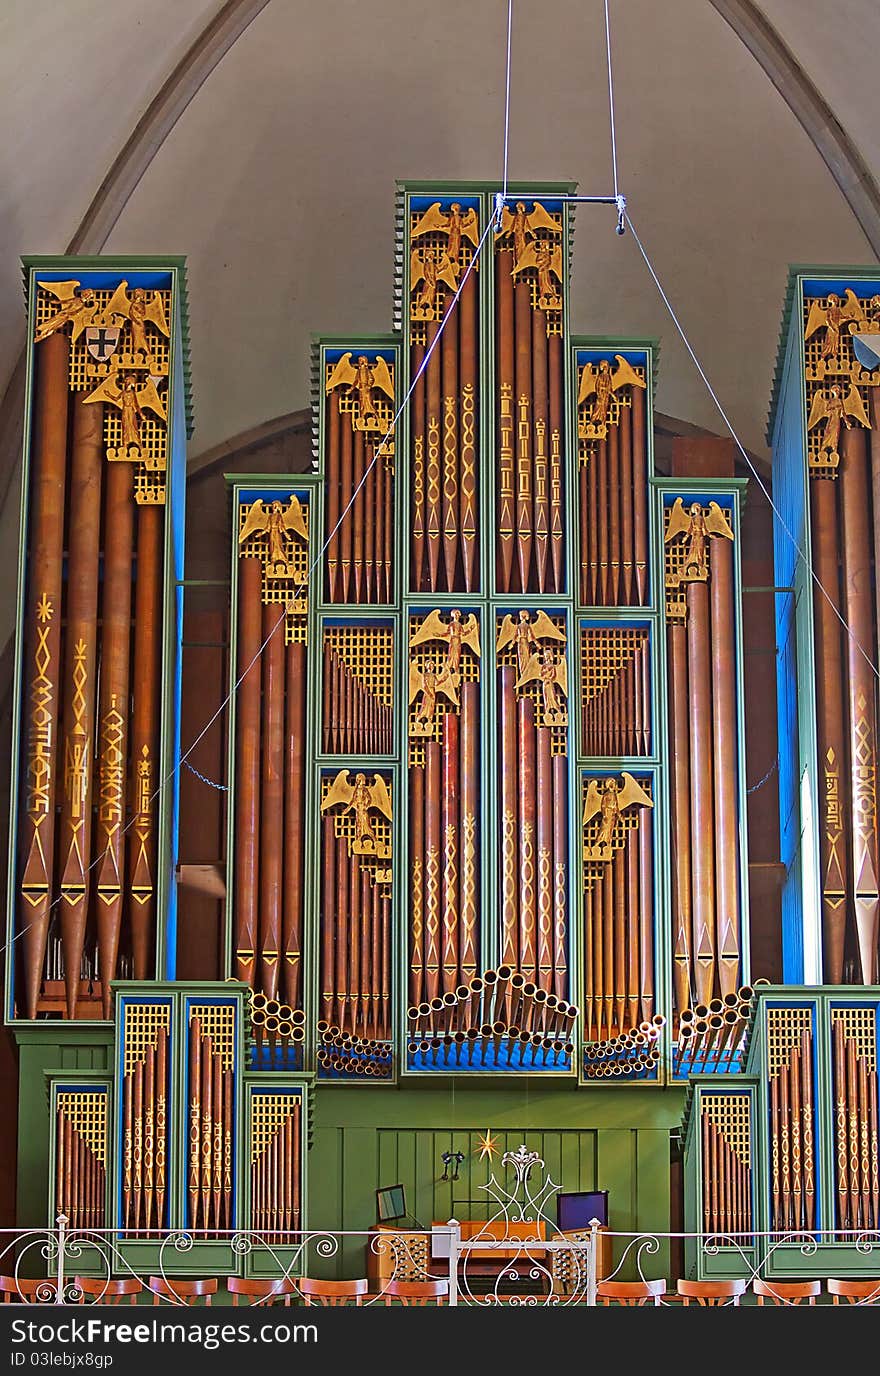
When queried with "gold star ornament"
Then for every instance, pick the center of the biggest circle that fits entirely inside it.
(488, 1146)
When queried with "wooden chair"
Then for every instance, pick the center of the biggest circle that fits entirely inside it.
(415, 1292)
(262, 1292)
(182, 1291)
(331, 1292)
(853, 1291)
(630, 1292)
(711, 1292)
(787, 1291)
(96, 1291)
(17, 1290)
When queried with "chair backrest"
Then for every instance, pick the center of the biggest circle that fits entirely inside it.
(852, 1291)
(416, 1292)
(260, 1291)
(108, 1291)
(631, 1292)
(181, 1291)
(18, 1290)
(711, 1292)
(331, 1292)
(787, 1291)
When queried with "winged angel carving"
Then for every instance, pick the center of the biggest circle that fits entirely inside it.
(609, 799)
(279, 524)
(76, 304)
(527, 634)
(455, 632)
(697, 525)
(832, 317)
(836, 409)
(360, 798)
(601, 383)
(139, 308)
(457, 225)
(363, 378)
(132, 396)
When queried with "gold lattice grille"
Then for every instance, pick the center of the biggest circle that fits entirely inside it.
(627, 821)
(784, 1027)
(732, 1116)
(287, 586)
(860, 1026)
(606, 654)
(368, 652)
(142, 1023)
(86, 1110)
(507, 658)
(269, 1113)
(217, 1021)
(841, 368)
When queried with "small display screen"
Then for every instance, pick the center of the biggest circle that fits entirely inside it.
(579, 1210)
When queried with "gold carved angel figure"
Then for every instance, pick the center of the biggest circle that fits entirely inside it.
(527, 633)
(522, 226)
(77, 305)
(362, 380)
(546, 259)
(139, 308)
(430, 681)
(424, 269)
(697, 526)
(456, 632)
(132, 396)
(552, 674)
(601, 383)
(362, 799)
(835, 410)
(608, 800)
(832, 317)
(278, 524)
(456, 224)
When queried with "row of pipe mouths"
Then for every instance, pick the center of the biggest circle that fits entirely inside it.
(275, 1027)
(496, 1044)
(630, 1054)
(503, 996)
(710, 1034)
(345, 1054)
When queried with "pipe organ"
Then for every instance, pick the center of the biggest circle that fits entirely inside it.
(826, 458)
(484, 744)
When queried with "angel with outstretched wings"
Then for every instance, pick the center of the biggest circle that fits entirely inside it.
(523, 226)
(140, 309)
(360, 798)
(278, 523)
(429, 682)
(77, 304)
(455, 224)
(836, 410)
(697, 525)
(553, 675)
(133, 396)
(362, 378)
(600, 383)
(546, 259)
(526, 633)
(455, 632)
(832, 317)
(429, 273)
(609, 800)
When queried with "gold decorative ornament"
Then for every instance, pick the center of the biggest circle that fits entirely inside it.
(607, 801)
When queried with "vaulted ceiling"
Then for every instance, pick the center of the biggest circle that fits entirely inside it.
(262, 138)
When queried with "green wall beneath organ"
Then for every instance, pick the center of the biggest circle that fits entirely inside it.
(609, 1139)
(39, 1052)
